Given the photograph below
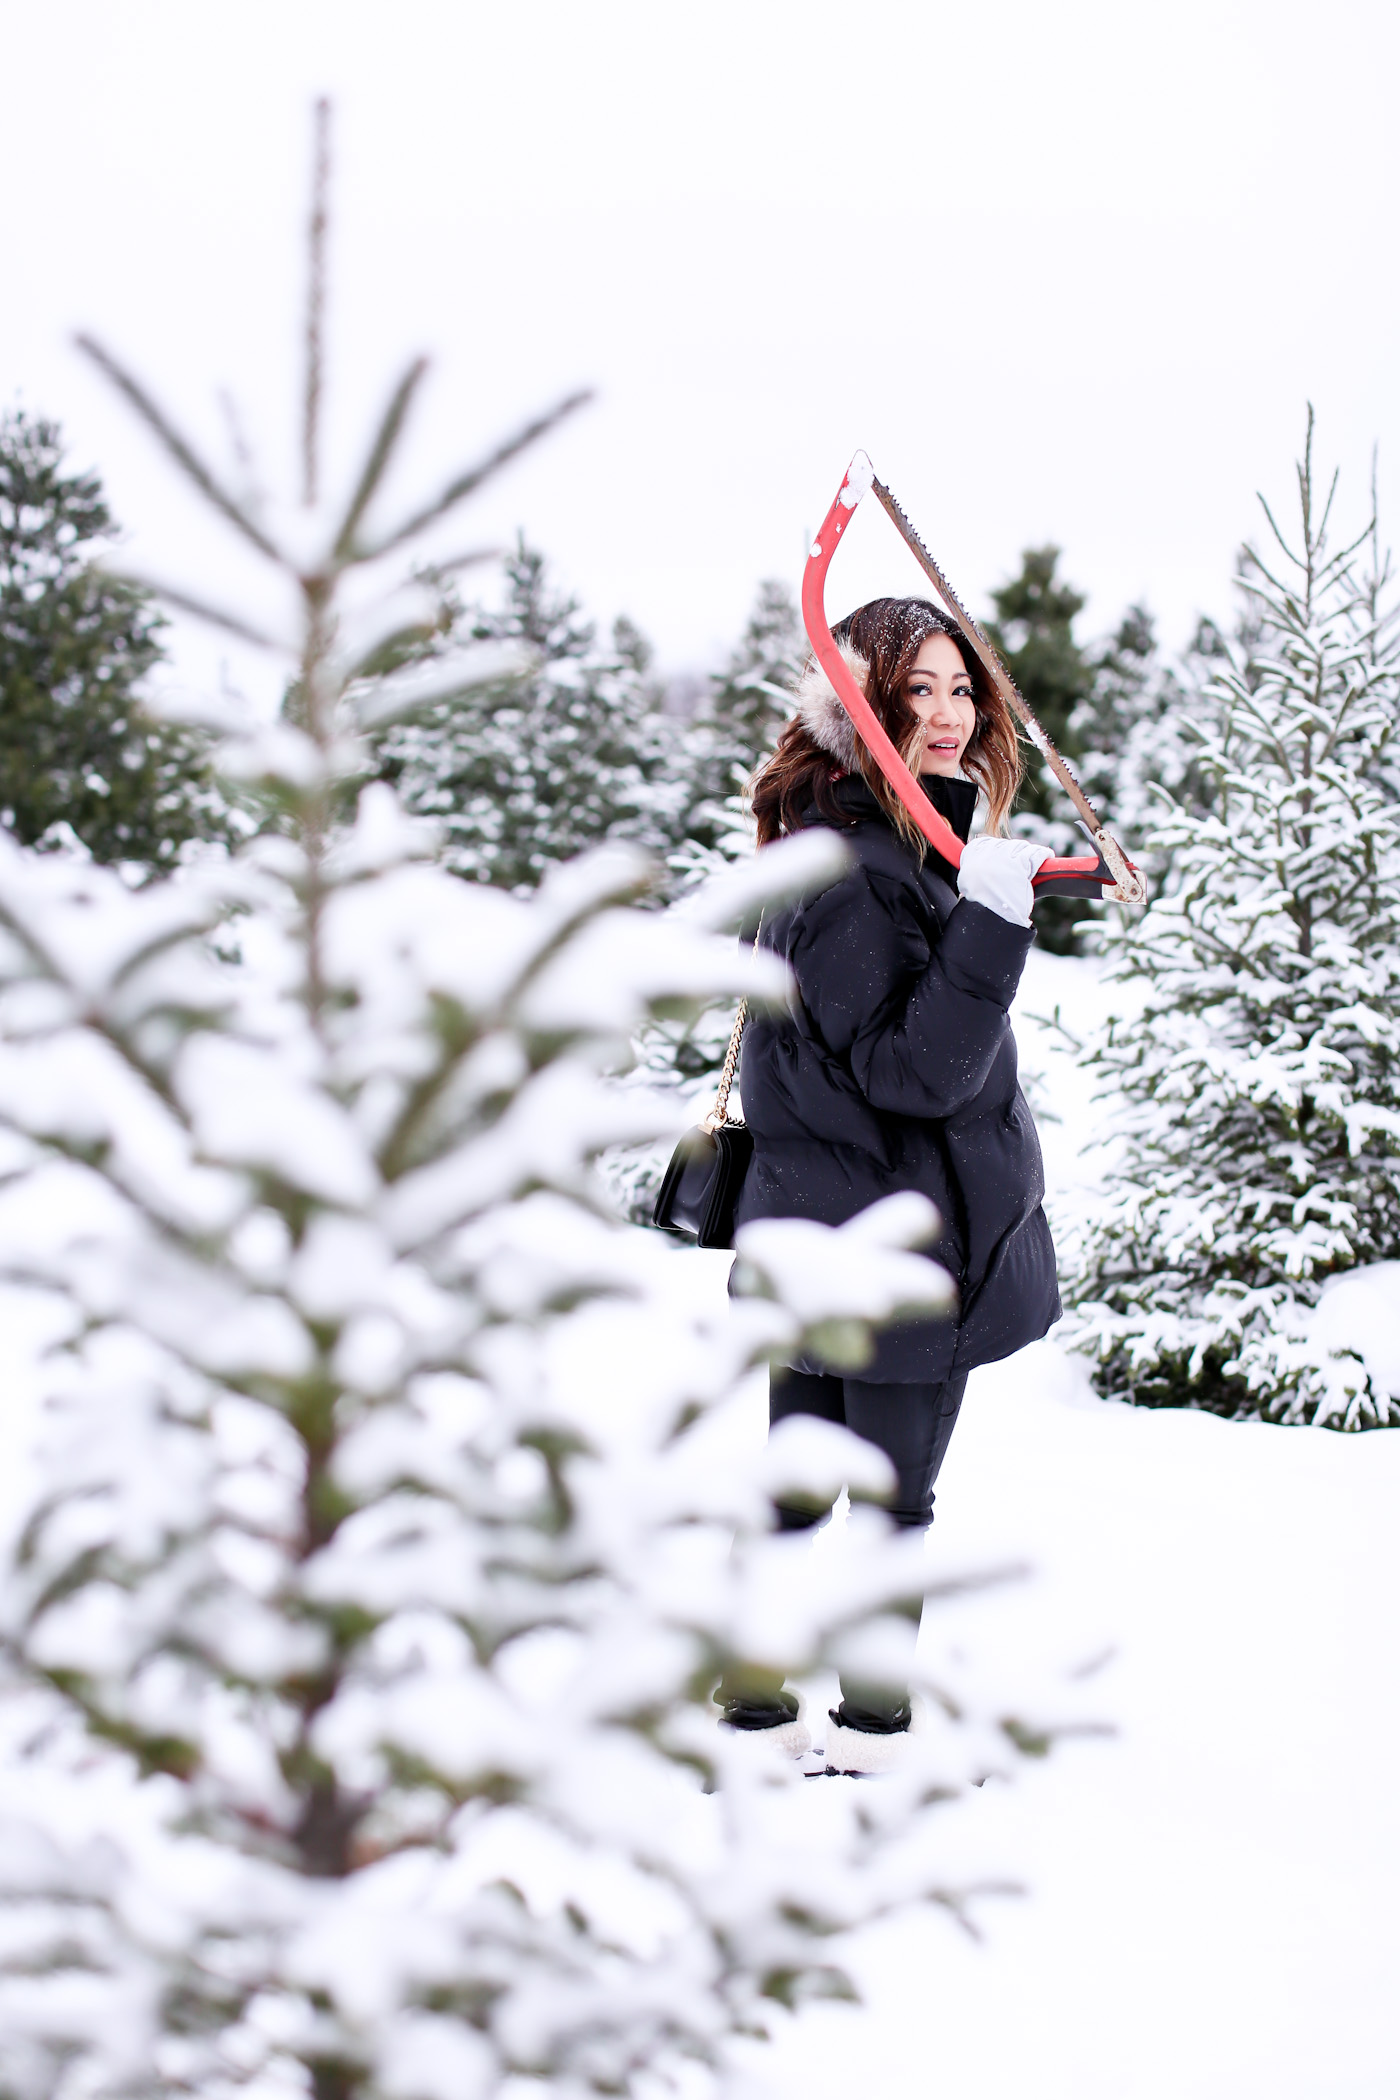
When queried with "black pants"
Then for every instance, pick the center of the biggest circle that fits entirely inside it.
(913, 1426)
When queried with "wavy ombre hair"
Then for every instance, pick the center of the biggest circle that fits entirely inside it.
(881, 642)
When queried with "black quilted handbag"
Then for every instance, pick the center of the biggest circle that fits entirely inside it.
(700, 1192)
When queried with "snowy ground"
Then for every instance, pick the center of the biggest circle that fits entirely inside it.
(1210, 1892)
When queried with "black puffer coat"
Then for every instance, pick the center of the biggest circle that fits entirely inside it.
(898, 1071)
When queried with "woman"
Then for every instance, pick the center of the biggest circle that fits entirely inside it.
(897, 1070)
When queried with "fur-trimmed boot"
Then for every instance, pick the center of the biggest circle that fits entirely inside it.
(791, 1738)
(857, 1753)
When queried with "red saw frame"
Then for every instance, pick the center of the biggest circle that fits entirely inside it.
(1087, 876)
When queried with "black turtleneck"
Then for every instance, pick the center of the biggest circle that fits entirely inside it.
(955, 801)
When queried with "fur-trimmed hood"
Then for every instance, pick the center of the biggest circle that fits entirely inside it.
(825, 719)
(821, 712)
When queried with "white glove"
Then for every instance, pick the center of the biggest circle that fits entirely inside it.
(997, 873)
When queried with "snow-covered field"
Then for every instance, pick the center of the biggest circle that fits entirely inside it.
(1209, 1889)
(1210, 1892)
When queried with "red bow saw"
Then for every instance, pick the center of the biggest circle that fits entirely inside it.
(1110, 873)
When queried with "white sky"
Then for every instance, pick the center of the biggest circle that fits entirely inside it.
(1067, 272)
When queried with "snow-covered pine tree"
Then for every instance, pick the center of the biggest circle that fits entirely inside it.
(1033, 631)
(79, 756)
(751, 697)
(529, 771)
(385, 1534)
(1257, 1065)
(737, 723)
(1132, 728)
(1123, 688)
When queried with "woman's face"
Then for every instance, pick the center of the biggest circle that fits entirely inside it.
(939, 690)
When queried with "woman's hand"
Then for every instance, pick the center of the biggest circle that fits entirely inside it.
(997, 873)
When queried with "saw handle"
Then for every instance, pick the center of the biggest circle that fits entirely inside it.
(1086, 876)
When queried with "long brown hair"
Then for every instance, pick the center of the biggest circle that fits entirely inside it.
(887, 635)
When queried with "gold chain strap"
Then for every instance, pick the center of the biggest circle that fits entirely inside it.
(719, 1114)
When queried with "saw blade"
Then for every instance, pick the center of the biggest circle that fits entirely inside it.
(1129, 886)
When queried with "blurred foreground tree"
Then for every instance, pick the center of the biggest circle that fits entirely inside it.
(79, 757)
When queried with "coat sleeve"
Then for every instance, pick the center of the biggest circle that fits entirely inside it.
(920, 1025)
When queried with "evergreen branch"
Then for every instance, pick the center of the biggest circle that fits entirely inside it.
(1258, 562)
(199, 609)
(29, 940)
(1304, 472)
(179, 448)
(316, 299)
(380, 453)
(395, 1154)
(467, 483)
(439, 571)
(1053, 1023)
(1320, 537)
(168, 939)
(1297, 560)
(238, 438)
(169, 1229)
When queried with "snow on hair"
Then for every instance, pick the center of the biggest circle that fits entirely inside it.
(880, 642)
